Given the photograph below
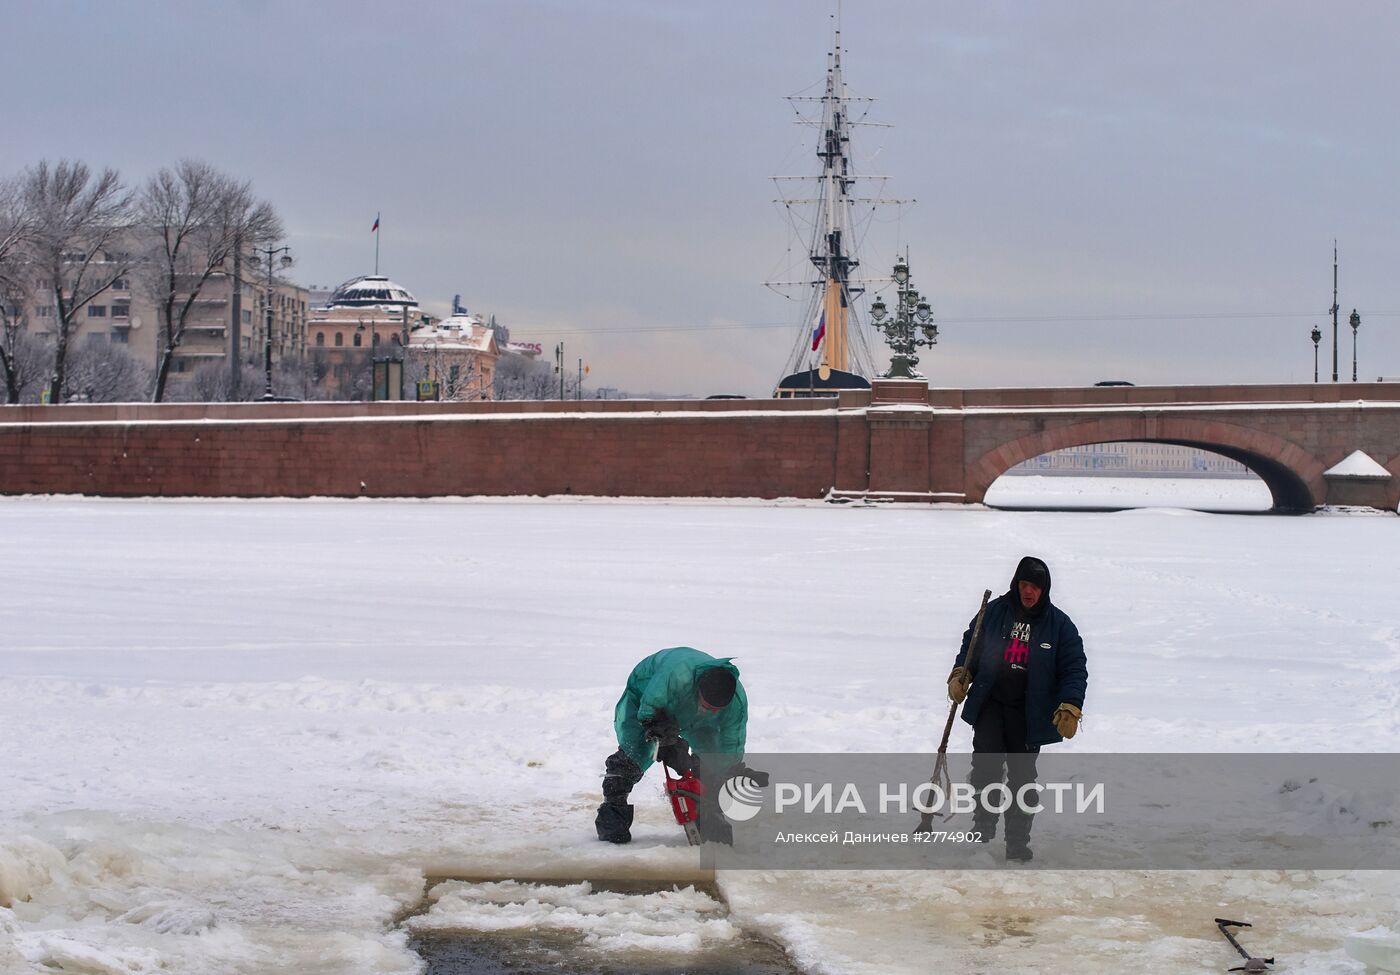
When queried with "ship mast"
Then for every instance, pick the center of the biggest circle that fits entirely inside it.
(834, 212)
(828, 344)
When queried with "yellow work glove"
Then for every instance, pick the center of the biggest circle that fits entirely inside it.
(958, 683)
(1066, 720)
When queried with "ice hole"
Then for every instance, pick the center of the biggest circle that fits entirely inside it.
(511, 927)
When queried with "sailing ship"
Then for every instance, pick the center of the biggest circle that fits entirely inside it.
(831, 352)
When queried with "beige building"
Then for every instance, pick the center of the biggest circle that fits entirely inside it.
(1162, 459)
(366, 320)
(367, 311)
(218, 323)
(126, 315)
(456, 357)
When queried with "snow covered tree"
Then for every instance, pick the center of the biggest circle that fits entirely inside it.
(520, 377)
(20, 353)
(80, 220)
(458, 376)
(99, 372)
(196, 218)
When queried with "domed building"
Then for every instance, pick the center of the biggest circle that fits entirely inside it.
(371, 289)
(369, 310)
(366, 320)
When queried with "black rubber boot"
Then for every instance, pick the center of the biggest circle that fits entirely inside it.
(1018, 852)
(614, 822)
(986, 826)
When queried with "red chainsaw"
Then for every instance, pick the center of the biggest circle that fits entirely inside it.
(685, 793)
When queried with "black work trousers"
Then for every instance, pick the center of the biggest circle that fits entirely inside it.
(1000, 753)
(614, 819)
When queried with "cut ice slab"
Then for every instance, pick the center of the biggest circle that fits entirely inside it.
(1379, 949)
(513, 928)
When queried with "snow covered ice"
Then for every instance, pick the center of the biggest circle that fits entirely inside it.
(240, 734)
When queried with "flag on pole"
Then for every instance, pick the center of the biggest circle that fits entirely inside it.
(819, 332)
(376, 224)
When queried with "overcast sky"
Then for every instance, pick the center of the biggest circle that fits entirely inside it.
(1106, 190)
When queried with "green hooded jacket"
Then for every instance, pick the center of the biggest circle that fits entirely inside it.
(665, 681)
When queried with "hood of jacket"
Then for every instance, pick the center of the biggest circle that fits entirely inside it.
(1035, 571)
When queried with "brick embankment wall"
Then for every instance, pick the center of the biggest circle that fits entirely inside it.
(900, 441)
(717, 452)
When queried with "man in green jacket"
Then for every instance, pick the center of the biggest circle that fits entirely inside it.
(675, 698)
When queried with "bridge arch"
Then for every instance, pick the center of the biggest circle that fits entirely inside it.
(1292, 475)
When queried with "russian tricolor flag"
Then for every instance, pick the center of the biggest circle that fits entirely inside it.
(819, 332)
(376, 224)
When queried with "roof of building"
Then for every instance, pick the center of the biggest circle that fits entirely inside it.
(459, 332)
(371, 289)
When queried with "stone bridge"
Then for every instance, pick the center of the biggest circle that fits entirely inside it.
(899, 441)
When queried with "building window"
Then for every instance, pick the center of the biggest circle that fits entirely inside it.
(43, 311)
(97, 311)
(119, 284)
(320, 338)
(339, 339)
(121, 311)
(358, 340)
(247, 317)
(119, 337)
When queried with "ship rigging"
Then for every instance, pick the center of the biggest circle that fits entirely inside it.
(831, 351)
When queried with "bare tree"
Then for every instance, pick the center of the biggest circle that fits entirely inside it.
(20, 352)
(458, 376)
(79, 219)
(16, 222)
(99, 372)
(197, 217)
(519, 377)
(210, 383)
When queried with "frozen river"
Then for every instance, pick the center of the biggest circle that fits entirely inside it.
(240, 734)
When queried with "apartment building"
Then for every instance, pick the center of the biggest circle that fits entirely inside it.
(229, 314)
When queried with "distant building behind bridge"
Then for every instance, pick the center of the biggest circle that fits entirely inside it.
(1133, 460)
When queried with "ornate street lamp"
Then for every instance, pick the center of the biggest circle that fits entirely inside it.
(1355, 324)
(270, 253)
(1316, 337)
(912, 315)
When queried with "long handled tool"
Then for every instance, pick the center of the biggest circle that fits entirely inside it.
(1251, 963)
(941, 778)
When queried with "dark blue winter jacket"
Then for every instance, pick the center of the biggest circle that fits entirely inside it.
(1057, 672)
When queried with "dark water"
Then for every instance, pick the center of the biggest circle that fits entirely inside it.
(537, 955)
(549, 953)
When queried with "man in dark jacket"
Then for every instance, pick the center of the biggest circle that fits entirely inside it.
(1023, 688)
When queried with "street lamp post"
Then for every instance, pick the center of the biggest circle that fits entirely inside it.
(270, 253)
(1355, 324)
(1317, 338)
(1333, 310)
(911, 314)
(373, 346)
